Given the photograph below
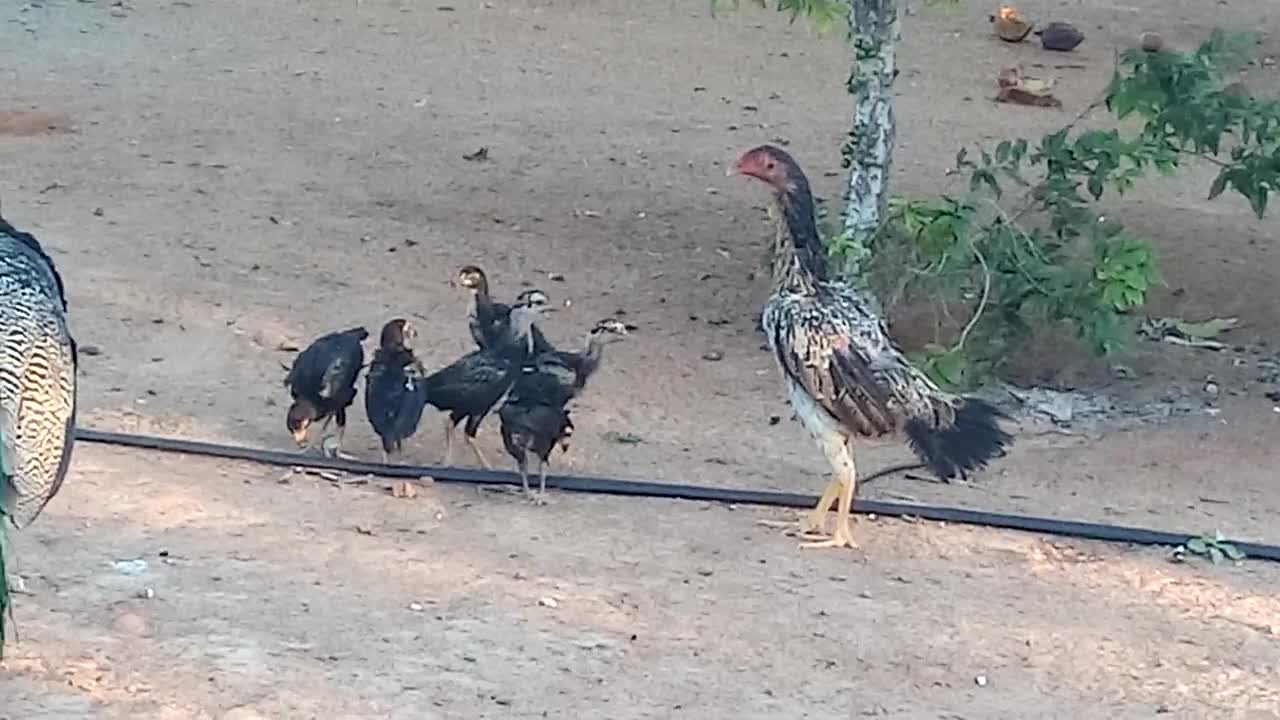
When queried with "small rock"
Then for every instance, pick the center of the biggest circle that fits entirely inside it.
(1151, 42)
(416, 606)
(89, 350)
(147, 593)
(980, 681)
(1060, 36)
(713, 355)
(548, 602)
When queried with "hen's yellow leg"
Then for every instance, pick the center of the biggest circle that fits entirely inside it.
(816, 520)
(843, 537)
(840, 454)
(813, 523)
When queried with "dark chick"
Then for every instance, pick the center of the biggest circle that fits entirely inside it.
(490, 321)
(534, 416)
(534, 427)
(323, 382)
(395, 389)
(470, 387)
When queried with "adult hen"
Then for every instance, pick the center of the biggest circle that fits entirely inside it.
(844, 376)
(37, 387)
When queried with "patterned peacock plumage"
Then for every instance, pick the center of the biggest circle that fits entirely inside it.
(844, 376)
(37, 386)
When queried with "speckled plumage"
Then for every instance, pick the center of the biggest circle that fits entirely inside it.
(37, 378)
(829, 343)
(37, 388)
(844, 376)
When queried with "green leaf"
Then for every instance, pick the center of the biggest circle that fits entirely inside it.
(1095, 186)
(1197, 546)
(1215, 555)
(1258, 201)
(1219, 184)
(1232, 551)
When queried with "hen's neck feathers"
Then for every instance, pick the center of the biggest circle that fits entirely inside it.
(589, 358)
(799, 259)
(481, 291)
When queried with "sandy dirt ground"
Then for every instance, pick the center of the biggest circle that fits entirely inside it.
(219, 179)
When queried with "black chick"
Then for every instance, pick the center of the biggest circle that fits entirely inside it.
(489, 323)
(532, 426)
(534, 416)
(470, 387)
(322, 382)
(395, 392)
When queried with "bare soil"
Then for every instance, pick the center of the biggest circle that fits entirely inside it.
(217, 180)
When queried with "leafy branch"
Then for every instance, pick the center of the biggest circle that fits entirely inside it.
(1026, 246)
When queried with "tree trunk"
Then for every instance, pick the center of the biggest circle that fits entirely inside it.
(868, 153)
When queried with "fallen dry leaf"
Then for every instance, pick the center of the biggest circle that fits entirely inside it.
(1025, 90)
(1010, 25)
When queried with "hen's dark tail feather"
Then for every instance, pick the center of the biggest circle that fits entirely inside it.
(975, 439)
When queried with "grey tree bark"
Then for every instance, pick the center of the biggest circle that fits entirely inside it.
(868, 153)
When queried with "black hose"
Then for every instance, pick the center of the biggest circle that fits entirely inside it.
(608, 486)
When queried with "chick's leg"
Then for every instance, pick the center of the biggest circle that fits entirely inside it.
(448, 441)
(484, 461)
(522, 464)
(541, 497)
(469, 434)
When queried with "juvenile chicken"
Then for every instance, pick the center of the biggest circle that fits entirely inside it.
(322, 382)
(395, 392)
